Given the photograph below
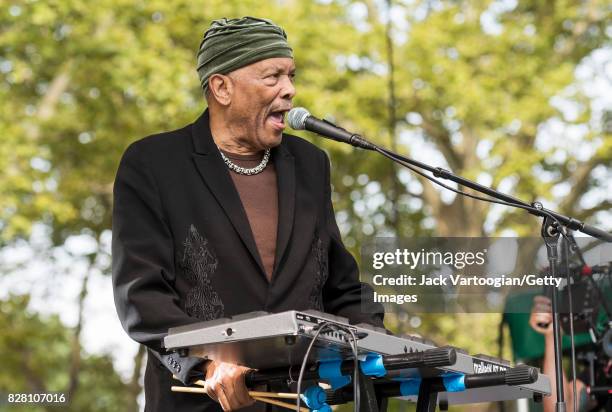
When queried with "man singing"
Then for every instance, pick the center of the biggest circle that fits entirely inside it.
(227, 215)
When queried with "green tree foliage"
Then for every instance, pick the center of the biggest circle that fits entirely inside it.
(81, 80)
(36, 357)
(494, 88)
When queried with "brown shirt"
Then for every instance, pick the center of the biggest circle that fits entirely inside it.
(259, 196)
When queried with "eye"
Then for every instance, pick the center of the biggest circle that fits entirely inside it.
(271, 78)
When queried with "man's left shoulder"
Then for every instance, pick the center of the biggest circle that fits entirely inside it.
(300, 147)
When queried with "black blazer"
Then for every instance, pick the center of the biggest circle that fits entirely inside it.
(183, 250)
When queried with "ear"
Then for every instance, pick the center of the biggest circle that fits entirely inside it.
(221, 87)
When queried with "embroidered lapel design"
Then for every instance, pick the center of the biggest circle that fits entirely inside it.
(199, 263)
(320, 275)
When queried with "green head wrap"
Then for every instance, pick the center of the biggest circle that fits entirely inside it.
(230, 44)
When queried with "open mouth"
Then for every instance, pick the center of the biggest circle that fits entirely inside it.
(277, 118)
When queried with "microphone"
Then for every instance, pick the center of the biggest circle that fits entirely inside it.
(301, 119)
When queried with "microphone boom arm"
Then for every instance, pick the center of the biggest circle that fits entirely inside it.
(300, 119)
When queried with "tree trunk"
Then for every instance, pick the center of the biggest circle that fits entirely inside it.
(392, 123)
(75, 356)
(134, 386)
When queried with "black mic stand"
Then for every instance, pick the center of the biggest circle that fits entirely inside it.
(550, 233)
(536, 208)
(565, 242)
(553, 226)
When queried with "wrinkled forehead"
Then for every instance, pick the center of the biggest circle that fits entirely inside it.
(283, 65)
(280, 64)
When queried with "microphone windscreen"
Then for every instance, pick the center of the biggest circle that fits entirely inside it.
(296, 117)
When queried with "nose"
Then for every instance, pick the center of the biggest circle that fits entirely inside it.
(287, 88)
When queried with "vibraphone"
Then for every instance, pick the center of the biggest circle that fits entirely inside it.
(390, 366)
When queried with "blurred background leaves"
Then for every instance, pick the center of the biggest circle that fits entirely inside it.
(511, 93)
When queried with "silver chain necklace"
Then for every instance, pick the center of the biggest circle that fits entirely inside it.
(244, 171)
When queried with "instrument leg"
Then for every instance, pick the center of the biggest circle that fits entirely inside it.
(382, 404)
(368, 400)
(428, 398)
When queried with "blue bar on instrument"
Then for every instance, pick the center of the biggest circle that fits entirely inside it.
(373, 365)
(410, 387)
(454, 383)
(331, 371)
